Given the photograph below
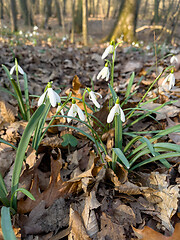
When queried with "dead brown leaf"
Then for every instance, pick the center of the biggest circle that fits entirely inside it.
(8, 112)
(175, 137)
(56, 189)
(78, 230)
(148, 233)
(110, 230)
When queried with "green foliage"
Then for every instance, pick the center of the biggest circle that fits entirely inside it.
(69, 139)
(6, 225)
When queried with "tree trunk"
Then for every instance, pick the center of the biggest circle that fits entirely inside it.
(58, 13)
(26, 13)
(108, 8)
(78, 17)
(47, 11)
(1, 9)
(13, 15)
(73, 17)
(85, 21)
(126, 22)
(156, 11)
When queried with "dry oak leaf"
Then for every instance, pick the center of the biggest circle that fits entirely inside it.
(148, 233)
(7, 111)
(175, 137)
(76, 92)
(57, 188)
(78, 231)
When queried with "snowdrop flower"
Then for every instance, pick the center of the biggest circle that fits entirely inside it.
(20, 32)
(53, 96)
(58, 109)
(173, 59)
(104, 73)
(108, 50)
(35, 28)
(92, 97)
(171, 79)
(20, 70)
(74, 110)
(116, 110)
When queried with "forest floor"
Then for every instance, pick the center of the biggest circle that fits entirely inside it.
(78, 196)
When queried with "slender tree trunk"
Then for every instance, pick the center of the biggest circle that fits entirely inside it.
(108, 8)
(13, 16)
(156, 11)
(85, 21)
(1, 9)
(61, 4)
(126, 22)
(58, 13)
(78, 17)
(73, 17)
(26, 12)
(47, 11)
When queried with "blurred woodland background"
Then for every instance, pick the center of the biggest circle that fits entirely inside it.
(90, 20)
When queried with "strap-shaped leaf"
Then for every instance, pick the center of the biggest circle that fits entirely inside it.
(6, 225)
(22, 149)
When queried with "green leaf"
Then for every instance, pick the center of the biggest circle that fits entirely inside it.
(26, 192)
(22, 150)
(69, 139)
(113, 93)
(26, 91)
(122, 157)
(3, 192)
(159, 157)
(130, 85)
(7, 143)
(6, 225)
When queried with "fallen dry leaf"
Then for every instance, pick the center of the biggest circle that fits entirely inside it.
(7, 111)
(148, 233)
(175, 137)
(110, 230)
(78, 230)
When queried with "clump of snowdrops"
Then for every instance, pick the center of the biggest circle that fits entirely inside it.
(68, 108)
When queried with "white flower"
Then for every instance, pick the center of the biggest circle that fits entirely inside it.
(107, 51)
(116, 110)
(174, 59)
(104, 73)
(92, 97)
(171, 79)
(35, 28)
(58, 108)
(74, 110)
(20, 32)
(53, 96)
(20, 70)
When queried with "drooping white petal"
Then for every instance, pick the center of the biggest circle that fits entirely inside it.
(72, 112)
(12, 70)
(41, 99)
(108, 50)
(52, 97)
(92, 97)
(165, 80)
(58, 99)
(107, 75)
(20, 70)
(174, 59)
(111, 114)
(104, 73)
(122, 115)
(80, 113)
(171, 81)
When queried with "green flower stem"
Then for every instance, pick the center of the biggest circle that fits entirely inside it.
(147, 91)
(17, 74)
(114, 160)
(92, 131)
(112, 69)
(118, 132)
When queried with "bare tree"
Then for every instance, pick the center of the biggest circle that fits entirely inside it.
(84, 21)
(1, 9)
(126, 22)
(13, 15)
